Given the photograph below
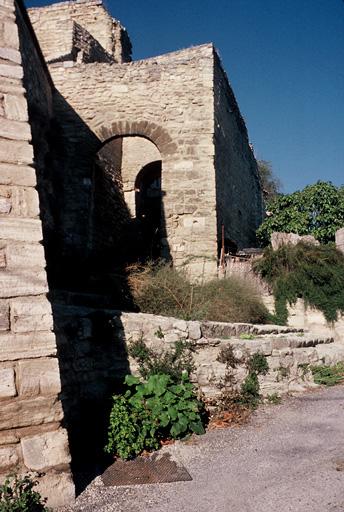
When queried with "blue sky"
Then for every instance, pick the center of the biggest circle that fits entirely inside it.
(285, 62)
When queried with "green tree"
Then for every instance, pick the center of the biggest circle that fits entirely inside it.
(271, 185)
(316, 210)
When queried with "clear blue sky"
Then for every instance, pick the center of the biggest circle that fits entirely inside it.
(284, 59)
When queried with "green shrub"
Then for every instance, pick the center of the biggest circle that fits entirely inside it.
(316, 210)
(164, 290)
(314, 273)
(17, 494)
(173, 362)
(328, 375)
(151, 411)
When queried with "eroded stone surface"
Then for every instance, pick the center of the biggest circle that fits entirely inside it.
(40, 376)
(46, 450)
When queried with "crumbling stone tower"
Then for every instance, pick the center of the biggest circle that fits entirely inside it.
(103, 161)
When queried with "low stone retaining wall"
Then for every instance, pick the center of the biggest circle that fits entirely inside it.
(290, 352)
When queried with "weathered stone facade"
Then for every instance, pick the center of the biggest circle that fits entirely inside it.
(103, 161)
(31, 413)
(183, 104)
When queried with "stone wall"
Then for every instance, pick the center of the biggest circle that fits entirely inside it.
(52, 27)
(182, 102)
(239, 202)
(289, 351)
(31, 433)
(167, 100)
(300, 316)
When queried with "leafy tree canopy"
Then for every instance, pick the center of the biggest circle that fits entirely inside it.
(316, 210)
(271, 185)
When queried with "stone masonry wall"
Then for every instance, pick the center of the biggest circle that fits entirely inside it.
(51, 27)
(31, 434)
(238, 193)
(168, 100)
(289, 351)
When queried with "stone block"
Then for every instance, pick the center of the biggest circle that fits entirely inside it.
(17, 175)
(26, 346)
(13, 284)
(279, 239)
(17, 413)
(15, 130)
(16, 152)
(58, 488)
(194, 330)
(11, 71)
(10, 54)
(46, 450)
(2, 257)
(21, 255)
(40, 376)
(4, 316)
(19, 201)
(31, 314)
(10, 35)
(5, 205)
(340, 239)
(15, 107)
(8, 437)
(8, 457)
(22, 230)
(7, 383)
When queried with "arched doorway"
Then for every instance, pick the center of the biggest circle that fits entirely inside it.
(126, 206)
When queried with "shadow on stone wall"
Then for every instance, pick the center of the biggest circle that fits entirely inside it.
(87, 280)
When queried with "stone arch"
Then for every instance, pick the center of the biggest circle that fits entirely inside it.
(146, 129)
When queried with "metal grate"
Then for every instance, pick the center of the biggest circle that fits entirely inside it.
(145, 470)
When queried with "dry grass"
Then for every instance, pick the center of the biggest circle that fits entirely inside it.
(163, 290)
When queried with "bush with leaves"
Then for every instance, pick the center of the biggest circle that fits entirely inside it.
(316, 210)
(313, 273)
(150, 412)
(17, 494)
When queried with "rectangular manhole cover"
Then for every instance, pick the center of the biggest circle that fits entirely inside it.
(145, 470)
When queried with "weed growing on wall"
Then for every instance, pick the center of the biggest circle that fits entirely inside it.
(163, 290)
(17, 494)
(174, 362)
(151, 411)
(313, 273)
(249, 392)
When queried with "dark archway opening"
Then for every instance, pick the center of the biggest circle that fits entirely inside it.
(148, 206)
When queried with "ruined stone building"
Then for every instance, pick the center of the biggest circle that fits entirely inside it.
(103, 161)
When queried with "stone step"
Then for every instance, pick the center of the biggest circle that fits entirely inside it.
(226, 330)
(267, 344)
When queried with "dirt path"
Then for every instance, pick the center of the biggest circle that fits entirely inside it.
(289, 458)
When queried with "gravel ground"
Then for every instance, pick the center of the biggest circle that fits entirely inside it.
(290, 457)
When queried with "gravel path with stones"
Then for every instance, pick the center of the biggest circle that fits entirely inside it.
(290, 457)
